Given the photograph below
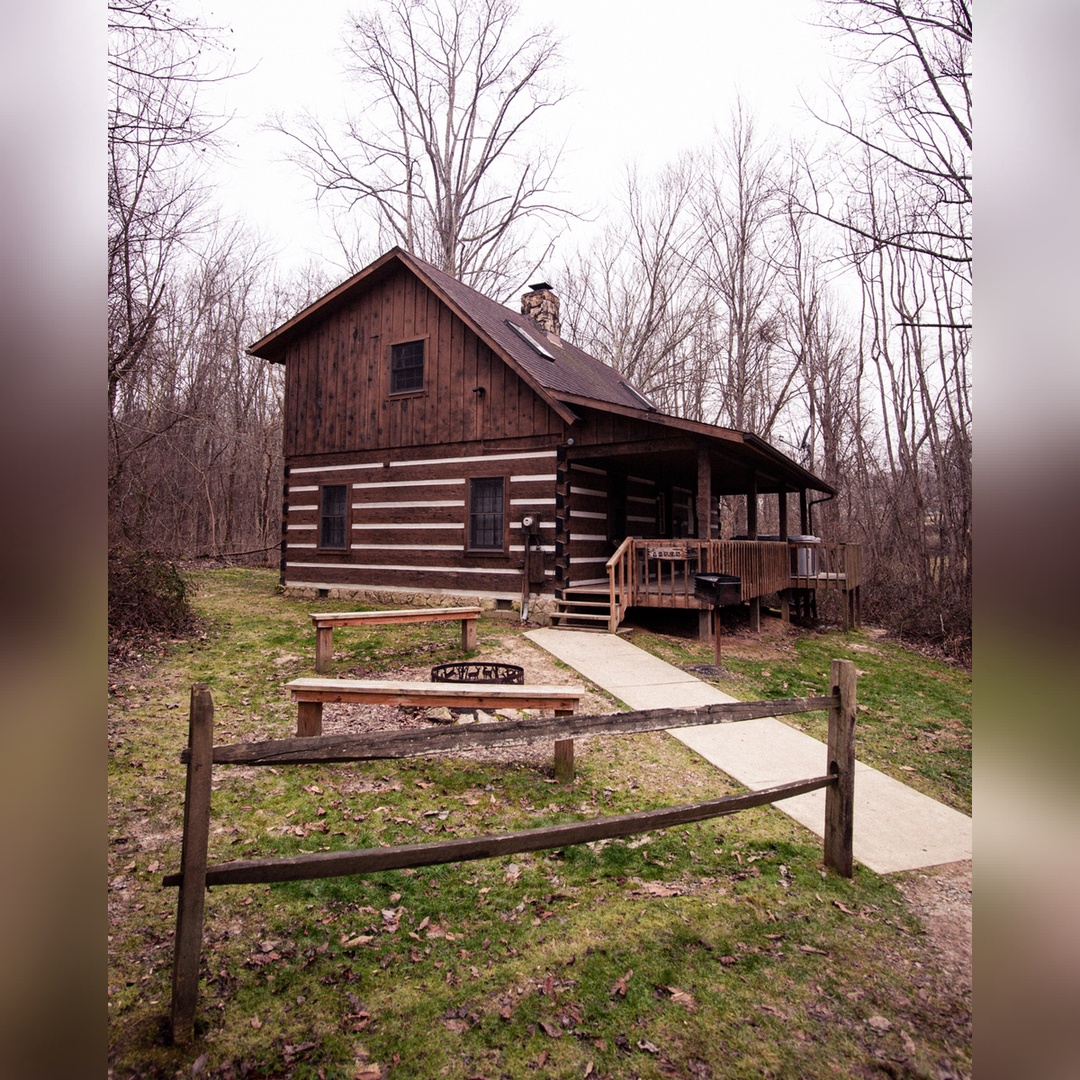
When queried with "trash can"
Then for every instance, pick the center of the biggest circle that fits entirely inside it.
(805, 559)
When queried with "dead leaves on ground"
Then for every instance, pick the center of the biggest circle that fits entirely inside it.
(680, 997)
(863, 913)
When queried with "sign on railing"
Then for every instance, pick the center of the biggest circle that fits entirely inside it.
(667, 551)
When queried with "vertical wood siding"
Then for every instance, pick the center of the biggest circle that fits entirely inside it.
(338, 389)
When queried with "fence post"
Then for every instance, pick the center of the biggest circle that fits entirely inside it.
(840, 796)
(564, 755)
(192, 897)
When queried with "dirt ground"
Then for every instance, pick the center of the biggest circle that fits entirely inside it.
(939, 897)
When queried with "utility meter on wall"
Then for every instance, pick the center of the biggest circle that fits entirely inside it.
(530, 523)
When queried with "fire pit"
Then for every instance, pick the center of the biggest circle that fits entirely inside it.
(479, 672)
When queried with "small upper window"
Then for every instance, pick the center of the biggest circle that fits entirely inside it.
(334, 516)
(406, 367)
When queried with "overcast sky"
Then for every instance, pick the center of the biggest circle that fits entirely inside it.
(650, 81)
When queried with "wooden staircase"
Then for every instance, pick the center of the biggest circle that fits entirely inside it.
(583, 608)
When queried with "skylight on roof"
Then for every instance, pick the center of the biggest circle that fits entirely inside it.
(526, 336)
(641, 397)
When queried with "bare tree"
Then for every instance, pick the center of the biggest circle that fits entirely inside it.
(903, 166)
(438, 149)
(740, 206)
(158, 60)
(827, 385)
(914, 56)
(633, 298)
(198, 432)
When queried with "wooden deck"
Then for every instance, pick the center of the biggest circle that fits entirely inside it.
(660, 573)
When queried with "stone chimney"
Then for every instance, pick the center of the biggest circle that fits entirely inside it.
(542, 306)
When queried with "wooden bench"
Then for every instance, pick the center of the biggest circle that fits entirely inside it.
(311, 694)
(326, 621)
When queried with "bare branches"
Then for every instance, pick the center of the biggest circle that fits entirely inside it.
(437, 149)
(913, 57)
(906, 216)
(157, 62)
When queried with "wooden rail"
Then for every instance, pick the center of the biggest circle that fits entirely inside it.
(619, 589)
(660, 573)
(326, 621)
(196, 875)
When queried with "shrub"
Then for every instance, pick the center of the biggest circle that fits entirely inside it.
(147, 595)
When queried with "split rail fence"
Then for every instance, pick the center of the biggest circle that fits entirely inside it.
(196, 875)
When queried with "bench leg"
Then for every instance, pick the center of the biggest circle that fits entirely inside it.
(309, 718)
(564, 755)
(324, 647)
(468, 635)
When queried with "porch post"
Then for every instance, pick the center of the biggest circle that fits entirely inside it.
(751, 531)
(704, 527)
(751, 508)
(804, 516)
(782, 508)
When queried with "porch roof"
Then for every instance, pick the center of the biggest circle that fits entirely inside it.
(668, 446)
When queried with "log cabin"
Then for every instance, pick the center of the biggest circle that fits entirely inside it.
(441, 447)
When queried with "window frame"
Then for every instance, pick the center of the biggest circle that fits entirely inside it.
(324, 517)
(422, 388)
(470, 516)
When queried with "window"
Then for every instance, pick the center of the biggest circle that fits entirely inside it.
(407, 367)
(486, 514)
(334, 516)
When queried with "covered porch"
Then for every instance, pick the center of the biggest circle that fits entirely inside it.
(636, 521)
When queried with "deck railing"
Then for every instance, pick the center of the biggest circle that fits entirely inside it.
(660, 573)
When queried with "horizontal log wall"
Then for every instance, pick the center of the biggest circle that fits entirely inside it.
(642, 512)
(590, 524)
(408, 521)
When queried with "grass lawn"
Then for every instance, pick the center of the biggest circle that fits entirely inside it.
(717, 950)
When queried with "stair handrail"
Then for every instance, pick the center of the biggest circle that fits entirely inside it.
(618, 583)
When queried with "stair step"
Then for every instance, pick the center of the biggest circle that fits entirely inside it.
(584, 603)
(579, 615)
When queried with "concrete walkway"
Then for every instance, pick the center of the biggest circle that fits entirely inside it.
(896, 828)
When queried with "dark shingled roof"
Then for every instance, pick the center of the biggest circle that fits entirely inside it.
(571, 371)
(566, 376)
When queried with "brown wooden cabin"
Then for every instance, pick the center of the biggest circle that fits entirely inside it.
(440, 445)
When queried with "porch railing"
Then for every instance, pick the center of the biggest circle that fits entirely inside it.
(660, 573)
